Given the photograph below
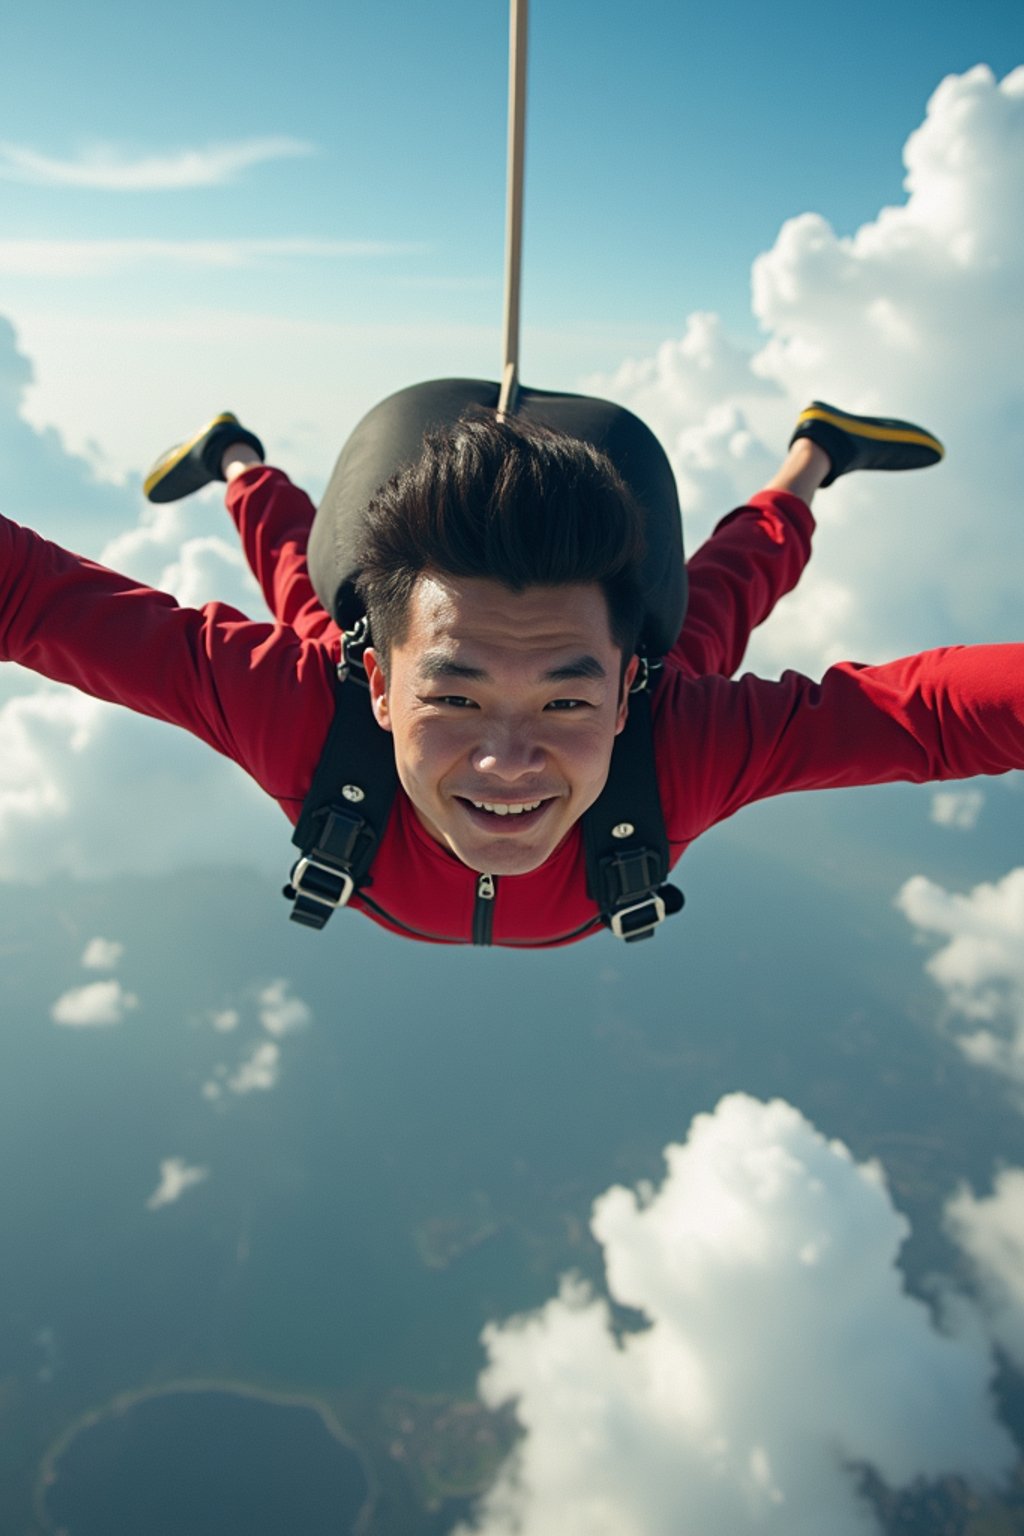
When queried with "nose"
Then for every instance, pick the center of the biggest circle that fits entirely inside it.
(511, 752)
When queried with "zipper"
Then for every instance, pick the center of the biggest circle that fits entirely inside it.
(592, 925)
(483, 909)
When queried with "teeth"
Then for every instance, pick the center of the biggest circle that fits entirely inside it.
(506, 810)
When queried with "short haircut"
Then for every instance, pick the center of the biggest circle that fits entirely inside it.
(510, 501)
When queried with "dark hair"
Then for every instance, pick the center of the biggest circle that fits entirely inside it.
(511, 501)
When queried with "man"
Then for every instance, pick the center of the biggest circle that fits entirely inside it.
(502, 661)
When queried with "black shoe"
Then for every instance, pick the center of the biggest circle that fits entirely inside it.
(866, 442)
(190, 466)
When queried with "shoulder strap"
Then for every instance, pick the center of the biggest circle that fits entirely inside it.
(346, 810)
(624, 832)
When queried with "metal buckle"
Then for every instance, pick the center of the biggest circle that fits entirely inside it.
(646, 673)
(302, 868)
(641, 930)
(354, 642)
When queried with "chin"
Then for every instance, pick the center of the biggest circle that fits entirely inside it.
(503, 860)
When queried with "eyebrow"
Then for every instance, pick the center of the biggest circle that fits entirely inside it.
(435, 665)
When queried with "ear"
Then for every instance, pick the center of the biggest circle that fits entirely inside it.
(378, 688)
(627, 683)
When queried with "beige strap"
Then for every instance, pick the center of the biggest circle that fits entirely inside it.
(514, 204)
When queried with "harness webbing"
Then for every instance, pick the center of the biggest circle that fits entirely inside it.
(624, 834)
(346, 809)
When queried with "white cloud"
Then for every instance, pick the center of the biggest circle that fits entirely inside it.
(916, 314)
(88, 771)
(991, 1233)
(172, 549)
(959, 808)
(981, 967)
(175, 1177)
(259, 1071)
(279, 1013)
(102, 954)
(103, 167)
(782, 1349)
(224, 1020)
(100, 258)
(98, 1004)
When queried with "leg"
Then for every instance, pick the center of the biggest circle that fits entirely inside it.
(273, 518)
(757, 554)
(754, 557)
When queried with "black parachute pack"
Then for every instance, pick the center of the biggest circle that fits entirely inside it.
(346, 810)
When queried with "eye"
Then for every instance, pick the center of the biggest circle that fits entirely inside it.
(568, 704)
(453, 700)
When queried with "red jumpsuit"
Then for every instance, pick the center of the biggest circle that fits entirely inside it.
(262, 693)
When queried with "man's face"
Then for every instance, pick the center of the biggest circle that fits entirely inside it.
(504, 707)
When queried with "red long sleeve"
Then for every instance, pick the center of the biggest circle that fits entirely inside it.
(255, 692)
(943, 714)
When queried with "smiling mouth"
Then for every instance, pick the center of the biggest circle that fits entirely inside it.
(504, 816)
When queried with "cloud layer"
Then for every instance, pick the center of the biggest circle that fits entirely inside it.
(104, 167)
(980, 967)
(990, 1231)
(781, 1350)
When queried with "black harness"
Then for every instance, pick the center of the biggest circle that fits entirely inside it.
(346, 810)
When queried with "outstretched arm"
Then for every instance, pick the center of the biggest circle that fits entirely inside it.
(944, 714)
(253, 691)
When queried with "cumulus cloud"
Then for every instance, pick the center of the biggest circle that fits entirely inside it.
(990, 1231)
(168, 548)
(224, 1020)
(279, 1013)
(915, 314)
(980, 968)
(959, 808)
(101, 258)
(781, 1349)
(102, 954)
(104, 167)
(89, 771)
(99, 1004)
(259, 1071)
(41, 482)
(175, 1177)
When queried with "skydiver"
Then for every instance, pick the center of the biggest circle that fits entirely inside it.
(501, 662)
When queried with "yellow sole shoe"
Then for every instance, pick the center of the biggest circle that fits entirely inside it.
(866, 442)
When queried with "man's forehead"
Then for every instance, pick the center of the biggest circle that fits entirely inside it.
(453, 614)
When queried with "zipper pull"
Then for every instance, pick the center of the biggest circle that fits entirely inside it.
(485, 888)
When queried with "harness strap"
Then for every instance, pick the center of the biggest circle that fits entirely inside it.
(346, 810)
(624, 834)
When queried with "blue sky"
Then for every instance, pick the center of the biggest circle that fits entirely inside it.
(667, 145)
(288, 212)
